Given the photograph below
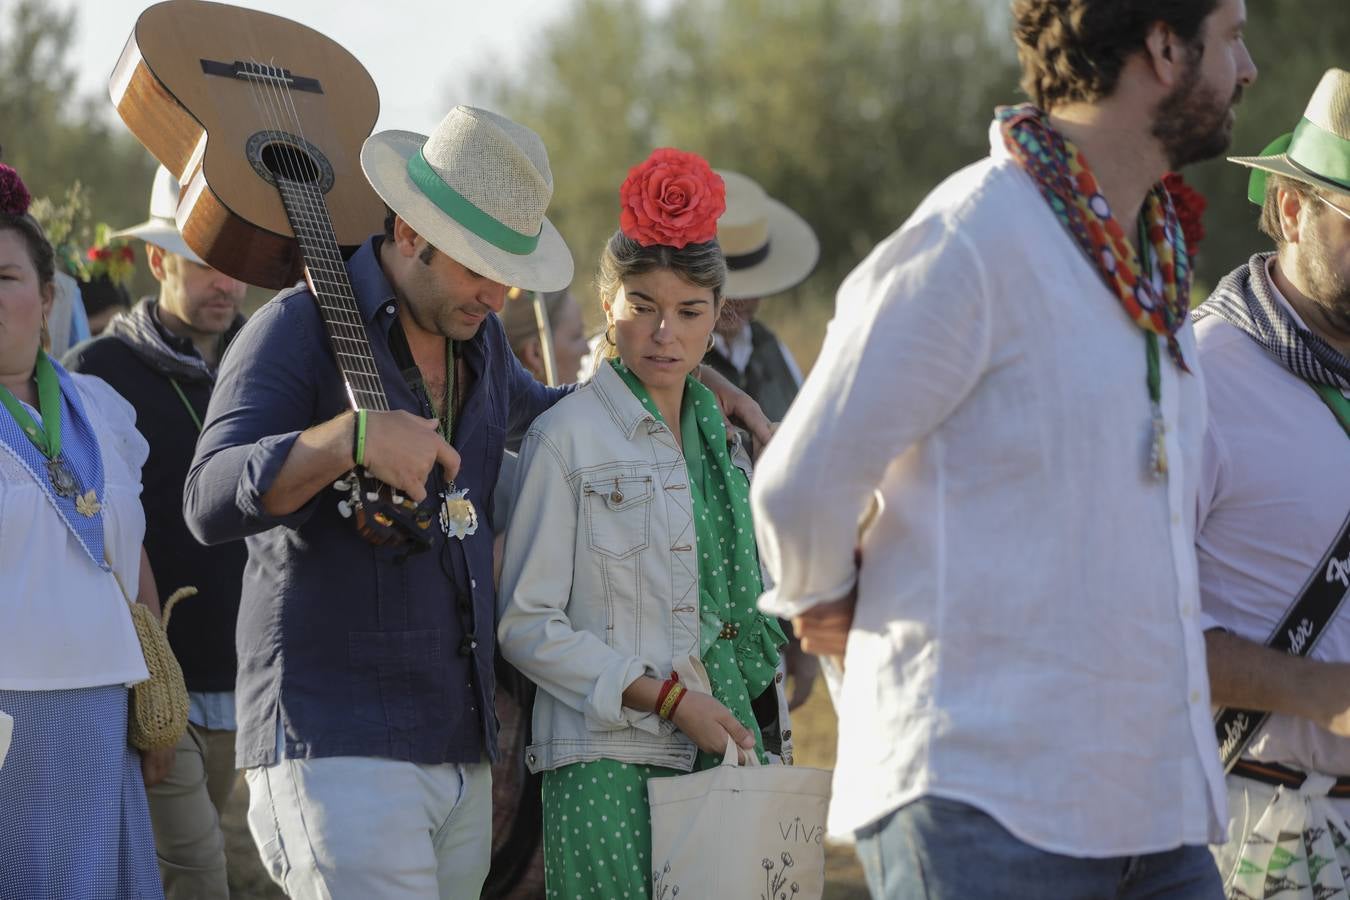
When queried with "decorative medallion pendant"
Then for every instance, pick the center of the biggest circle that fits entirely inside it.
(458, 517)
(1157, 453)
(63, 482)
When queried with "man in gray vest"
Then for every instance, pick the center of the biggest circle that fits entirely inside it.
(769, 249)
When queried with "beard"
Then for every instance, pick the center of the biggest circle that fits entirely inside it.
(1194, 122)
(1324, 284)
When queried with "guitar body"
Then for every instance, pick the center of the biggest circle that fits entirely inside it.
(179, 88)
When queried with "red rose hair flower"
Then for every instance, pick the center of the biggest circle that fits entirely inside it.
(1190, 206)
(673, 198)
(14, 196)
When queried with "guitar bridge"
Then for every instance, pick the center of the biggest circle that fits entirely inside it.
(251, 71)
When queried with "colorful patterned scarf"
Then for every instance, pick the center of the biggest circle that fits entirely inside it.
(739, 644)
(1159, 304)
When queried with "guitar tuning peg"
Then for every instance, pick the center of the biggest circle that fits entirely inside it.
(342, 485)
(345, 509)
(372, 496)
(397, 498)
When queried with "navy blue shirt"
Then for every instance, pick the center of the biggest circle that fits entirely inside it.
(356, 650)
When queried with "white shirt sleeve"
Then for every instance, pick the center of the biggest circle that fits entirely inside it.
(910, 339)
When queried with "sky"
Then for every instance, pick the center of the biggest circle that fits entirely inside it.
(423, 54)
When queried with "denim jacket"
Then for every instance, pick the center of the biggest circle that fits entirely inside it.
(599, 579)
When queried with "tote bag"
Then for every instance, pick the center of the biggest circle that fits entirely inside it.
(740, 832)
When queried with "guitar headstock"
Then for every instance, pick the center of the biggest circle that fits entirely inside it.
(381, 515)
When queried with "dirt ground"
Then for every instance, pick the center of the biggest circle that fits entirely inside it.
(813, 730)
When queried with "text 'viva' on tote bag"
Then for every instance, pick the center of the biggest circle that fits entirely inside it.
(742, 831)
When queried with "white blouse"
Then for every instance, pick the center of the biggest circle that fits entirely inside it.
(63, 620)
(1027, 635)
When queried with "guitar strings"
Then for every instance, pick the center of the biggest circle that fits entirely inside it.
(336, 270)
(319, 209)
(360, 376)
(345, 322)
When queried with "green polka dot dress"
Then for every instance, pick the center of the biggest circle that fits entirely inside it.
(597, 822)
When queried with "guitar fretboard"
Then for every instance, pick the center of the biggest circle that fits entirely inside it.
(308, 215)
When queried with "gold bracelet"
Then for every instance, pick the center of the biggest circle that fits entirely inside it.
(671, 701)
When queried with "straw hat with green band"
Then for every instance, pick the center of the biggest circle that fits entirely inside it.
(476, 189)
(1317, 151)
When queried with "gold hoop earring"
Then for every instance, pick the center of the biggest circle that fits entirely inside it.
(608, 339)
(712, 341)
(45, 336)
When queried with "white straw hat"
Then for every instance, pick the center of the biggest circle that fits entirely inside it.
(161, 228)
(769, 248)
(1317, 151)
(476, 189)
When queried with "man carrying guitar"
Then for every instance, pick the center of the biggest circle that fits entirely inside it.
(365, 672)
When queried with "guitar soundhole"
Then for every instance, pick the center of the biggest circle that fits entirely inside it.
(289, 161)
(277, 154)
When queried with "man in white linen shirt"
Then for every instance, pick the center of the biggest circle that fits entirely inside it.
(1024, 711)
(1273, 502)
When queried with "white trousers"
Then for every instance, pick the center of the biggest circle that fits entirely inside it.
(356, 827)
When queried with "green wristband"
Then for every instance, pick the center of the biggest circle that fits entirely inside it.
(359, 438)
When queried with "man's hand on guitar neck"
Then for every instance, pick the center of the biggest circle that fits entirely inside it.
(400, 450)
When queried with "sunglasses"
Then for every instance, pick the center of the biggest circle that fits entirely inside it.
(1345, 214)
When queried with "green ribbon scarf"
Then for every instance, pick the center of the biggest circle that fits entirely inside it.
(742, 666)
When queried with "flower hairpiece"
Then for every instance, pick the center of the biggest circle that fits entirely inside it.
(14, 196)
(1190, 206)
(672, 198)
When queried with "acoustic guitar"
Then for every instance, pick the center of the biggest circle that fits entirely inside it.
(262, 121)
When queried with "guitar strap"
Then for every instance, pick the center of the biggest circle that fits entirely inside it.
(1306, 619)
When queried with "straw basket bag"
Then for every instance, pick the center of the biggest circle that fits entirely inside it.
(158, 714)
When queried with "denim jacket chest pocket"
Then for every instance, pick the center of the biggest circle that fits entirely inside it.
(618, 511)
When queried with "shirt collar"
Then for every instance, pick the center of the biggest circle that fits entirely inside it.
(374, 293)
(626, 409)
(175, 343)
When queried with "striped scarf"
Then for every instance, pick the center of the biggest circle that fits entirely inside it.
(1246, 299)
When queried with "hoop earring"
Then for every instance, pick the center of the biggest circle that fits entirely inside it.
(45, 336)
(608, 339)
(711, 343)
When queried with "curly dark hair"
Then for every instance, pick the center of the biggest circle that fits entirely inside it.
(1074, 50)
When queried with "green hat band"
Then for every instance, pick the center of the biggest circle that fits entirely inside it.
(1311, 148)
(461, 209)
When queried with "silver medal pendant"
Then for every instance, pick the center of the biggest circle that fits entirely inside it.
(63, 482)
(458, 517)
(1157, 454)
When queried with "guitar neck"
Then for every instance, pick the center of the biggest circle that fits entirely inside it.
(307, 213)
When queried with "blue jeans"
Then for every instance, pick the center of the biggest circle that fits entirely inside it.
(938, 849)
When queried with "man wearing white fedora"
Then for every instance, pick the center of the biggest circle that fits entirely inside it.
(162, 356)
(1008, 400)
(769, 249)
(366, 674)
(1273, 541)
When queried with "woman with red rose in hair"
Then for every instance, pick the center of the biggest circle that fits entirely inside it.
(630, 572)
